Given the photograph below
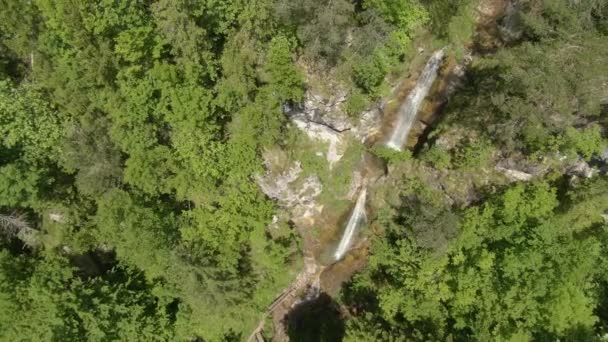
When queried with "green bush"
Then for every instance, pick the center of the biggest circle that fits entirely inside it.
(368, 75)
(585, 142)
(283, 74)
(405, 14)
(475, 154)
(391, 156)
(437, 157)
(461, 29)
(356, 103)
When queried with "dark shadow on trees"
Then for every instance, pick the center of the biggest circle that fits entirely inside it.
(317, 320)
(601, 311)
(440, 13)
(232, 336)
(575, 334)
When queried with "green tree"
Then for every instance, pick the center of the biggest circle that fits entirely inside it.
(518, 269)
(321, 27)
(283, 74)
(28, 123)
(138, 235)
(528, 96)
(42, 297)
(586, 142)
(405, 14)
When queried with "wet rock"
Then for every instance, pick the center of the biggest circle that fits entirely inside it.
(456, 77)
(355, 185)
(335, 275)
(370, 124)
(373, 168)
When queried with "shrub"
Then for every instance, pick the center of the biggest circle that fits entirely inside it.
(356, 103)
(391, 156)
(473, 154)
(368, 75)
(438, 158)
(586, 142)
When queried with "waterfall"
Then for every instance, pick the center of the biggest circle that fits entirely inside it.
(356, 217)
(408, 110)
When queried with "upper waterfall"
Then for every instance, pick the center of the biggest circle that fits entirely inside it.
(408, 110)
(357, 215)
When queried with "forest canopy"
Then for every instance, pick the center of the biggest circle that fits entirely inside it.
(131, 133)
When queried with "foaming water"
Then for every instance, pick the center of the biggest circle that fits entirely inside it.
(355, 219)
(408, 110)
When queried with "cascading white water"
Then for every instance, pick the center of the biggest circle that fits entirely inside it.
(409, 108)
(356, 217)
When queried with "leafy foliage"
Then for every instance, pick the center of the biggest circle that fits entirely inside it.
(142, 123)
(525, 261)
(515, 270)
(130, 132)
(529, 98)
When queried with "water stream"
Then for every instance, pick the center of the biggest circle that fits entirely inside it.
(355, 219)
(328, 275)
(408, 110)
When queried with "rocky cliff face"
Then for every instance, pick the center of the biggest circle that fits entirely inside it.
(321, 109)
(323, 118)
(296, 196)
(315, 131)
(288, 193)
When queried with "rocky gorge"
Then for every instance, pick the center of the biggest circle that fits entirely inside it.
(331, 258)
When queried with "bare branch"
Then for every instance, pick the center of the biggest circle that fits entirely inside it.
(15, 225)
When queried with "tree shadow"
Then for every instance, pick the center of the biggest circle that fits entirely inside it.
(316, 320)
